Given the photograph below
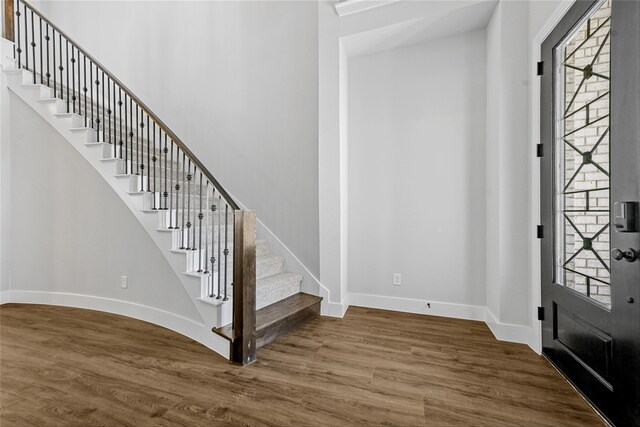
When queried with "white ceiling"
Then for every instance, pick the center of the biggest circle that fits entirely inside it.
(431, 21)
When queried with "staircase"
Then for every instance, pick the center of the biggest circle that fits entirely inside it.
(239, 288)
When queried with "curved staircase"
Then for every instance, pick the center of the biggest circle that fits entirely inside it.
(239, 288)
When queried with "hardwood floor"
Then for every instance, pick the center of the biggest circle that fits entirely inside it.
(70, 367)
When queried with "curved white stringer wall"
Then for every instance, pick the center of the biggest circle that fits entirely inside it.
(75, 232)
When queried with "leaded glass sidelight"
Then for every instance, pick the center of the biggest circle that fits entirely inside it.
(582, 144)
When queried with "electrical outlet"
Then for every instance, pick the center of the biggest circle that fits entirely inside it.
(124, 282)
(397, 279)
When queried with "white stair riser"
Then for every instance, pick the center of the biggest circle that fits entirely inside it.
(55, 105)
(138, 183)
(82, 136)
(196, 259)
(112, 150)
(39, 91)
(19, 77)
(72, 121)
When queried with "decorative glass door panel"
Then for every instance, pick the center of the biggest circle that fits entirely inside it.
(582, 161)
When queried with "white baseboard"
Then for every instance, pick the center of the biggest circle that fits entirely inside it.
(202, 334)
(182, 325)
(408, 305)
(502, 331)
(509, 332)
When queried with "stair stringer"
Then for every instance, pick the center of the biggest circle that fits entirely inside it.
(213, 313)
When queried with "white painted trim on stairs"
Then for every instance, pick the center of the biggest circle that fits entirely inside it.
(348, 7)
(182, 325)
(418, 306)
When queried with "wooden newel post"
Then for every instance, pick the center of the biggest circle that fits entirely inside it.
(9, 14)
(243, 349)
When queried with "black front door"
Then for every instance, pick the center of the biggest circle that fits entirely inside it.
(590, 189)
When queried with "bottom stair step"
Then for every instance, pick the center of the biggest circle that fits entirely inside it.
(279, 318)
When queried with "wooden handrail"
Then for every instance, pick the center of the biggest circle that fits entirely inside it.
(9, 14)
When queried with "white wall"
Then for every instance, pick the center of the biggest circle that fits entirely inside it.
(417, 171)
(72, 234)
(508, 165)
(331, 183)
(236, 81)
(6, 51)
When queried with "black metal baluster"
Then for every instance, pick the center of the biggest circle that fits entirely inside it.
(19, 49)
(189, 177)
(126, 137)
(33, 45)
(55, 84)
(26, 37)
(104, 132)
(115, 118)
(66, 57)
(141, 148)
(193, 240)
(226, 249)
(120, 115)
(91, 90)
(115, 154)
(177, 191)
(219, 248)
(170, 181)
(200, 216)
(166, 194)
(61, 67)
(47, 38)
(154, 159)
(137, 143)
(213, 258)
(84, 88)
(206, 232)
(73, 78)
(183, 203)
(41, 62)
(79, 54)
(97, 104)
(149, 160)
(130, 136)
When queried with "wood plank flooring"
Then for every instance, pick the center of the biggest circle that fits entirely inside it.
(70, 367)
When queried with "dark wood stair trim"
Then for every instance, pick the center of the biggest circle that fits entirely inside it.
(225, 332)
(279, 318)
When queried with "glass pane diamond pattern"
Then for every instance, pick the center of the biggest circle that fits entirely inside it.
(581, 161)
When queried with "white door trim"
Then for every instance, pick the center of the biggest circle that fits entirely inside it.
(536, 281)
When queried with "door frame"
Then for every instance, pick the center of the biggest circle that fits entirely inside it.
(536, 257)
